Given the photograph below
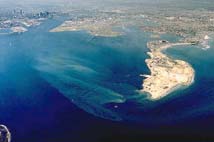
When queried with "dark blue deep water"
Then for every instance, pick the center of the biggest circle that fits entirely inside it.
(73, 87)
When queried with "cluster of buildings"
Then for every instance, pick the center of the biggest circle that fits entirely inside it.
(18, 21)
(191, 25)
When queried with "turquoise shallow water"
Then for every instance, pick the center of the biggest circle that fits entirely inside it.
(43, 73)
(101, 75)
(94, 71)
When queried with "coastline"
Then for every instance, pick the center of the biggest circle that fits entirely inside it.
(167, 74)
(101, 29)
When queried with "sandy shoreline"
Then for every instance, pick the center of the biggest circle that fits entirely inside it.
(167, 74)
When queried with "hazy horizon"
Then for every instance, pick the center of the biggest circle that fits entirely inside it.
(188, 4)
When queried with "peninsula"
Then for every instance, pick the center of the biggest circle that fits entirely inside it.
(167, 74)
(95, 26)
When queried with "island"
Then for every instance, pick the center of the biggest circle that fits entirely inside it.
(167, 74)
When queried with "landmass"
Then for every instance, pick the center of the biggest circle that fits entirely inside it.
(95, 26)
(19, 21)
(191, 25)
(18, 29)
(167, 74)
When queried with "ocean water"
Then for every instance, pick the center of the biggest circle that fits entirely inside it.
(77, 87)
